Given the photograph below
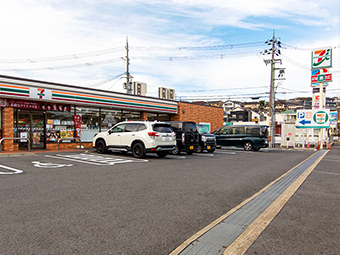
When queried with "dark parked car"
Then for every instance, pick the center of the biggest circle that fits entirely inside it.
(187, 136)
(252, 137)
(207, 141)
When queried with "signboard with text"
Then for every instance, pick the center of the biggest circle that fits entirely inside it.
(312, 118)
(321, 75)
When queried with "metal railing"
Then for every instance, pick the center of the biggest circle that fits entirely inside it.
(17, 138)
(70, 139)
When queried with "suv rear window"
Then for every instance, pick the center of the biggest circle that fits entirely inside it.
(189, 127)
(162, 128)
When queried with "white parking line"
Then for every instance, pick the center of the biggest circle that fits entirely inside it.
(96, 159)
(203, 154)
(225, 152)
(14, 171)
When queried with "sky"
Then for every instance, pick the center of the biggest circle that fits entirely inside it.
(204, 50)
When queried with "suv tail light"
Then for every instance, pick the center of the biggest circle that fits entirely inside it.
(153, 134)
(183, 138)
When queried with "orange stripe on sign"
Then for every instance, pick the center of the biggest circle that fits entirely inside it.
(14, 87)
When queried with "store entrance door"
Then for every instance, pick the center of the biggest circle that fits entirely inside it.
(31, 125)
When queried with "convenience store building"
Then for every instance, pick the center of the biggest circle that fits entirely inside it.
(44, 112)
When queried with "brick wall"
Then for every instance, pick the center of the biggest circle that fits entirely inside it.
(144, 115)
(7, 129)
(199, 113)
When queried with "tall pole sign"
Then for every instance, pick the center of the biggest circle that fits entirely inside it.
(321, 62)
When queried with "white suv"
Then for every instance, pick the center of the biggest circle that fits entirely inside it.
(140, 137)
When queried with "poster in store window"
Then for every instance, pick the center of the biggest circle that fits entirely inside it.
(36, 137)
(23, 135)
(77, 125)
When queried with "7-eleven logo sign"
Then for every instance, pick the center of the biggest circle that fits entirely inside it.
(322, 58)
(39, 93)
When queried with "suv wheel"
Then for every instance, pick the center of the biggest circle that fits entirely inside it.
(162, 154)
(176, 151)
(101, 146)
(138, 150)
(199, 149)
(248, 146)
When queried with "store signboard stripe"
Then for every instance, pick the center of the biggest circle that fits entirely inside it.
(110, 101)
(101, 98)
(14, 86)
(146, 107)
(14, 94)
(14, 90)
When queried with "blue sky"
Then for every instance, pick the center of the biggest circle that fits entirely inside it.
(37, 35)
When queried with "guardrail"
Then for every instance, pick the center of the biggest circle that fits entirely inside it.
(17, 138)
(70, 139)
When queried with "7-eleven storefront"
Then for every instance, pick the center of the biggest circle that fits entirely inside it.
(44, 113)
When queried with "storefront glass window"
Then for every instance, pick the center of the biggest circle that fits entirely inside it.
(89, 122)
(59, 125)
(158, 116)
(130, 115)
(109, 118)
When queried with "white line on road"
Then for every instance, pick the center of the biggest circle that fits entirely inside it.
(95, 159)
(15, 171)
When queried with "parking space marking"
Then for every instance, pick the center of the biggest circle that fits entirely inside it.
(96, 159)
(174, 156)
(202, 154)
(225, 152)
(48, 165)
(13, 170)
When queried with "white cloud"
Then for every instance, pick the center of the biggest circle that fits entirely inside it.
(55, 28)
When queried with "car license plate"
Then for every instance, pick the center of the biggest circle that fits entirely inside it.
(191, 147)
(166, 138)
(208, 147)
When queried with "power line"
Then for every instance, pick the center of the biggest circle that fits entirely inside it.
(88, 64)
(65, 57)
(200, 48)
(204, 90)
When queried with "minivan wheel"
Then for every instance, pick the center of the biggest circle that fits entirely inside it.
(199, 149)
(101, 146)
(138, 150)
(248, 146)
(176, 150)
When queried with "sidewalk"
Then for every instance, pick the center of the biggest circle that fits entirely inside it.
(310, 221)
(26, 152)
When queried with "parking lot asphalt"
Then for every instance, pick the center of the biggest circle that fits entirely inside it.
(309, 222)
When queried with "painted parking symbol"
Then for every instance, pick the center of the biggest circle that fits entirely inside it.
(10, 170)
(98, 160)
(49, 165)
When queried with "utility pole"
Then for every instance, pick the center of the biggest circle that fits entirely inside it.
(272, 94)
(273, 51)
(128, 85)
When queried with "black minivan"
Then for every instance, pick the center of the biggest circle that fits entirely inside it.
(187, 136)
(250, 137)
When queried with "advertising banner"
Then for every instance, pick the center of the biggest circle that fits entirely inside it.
(77, 125)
